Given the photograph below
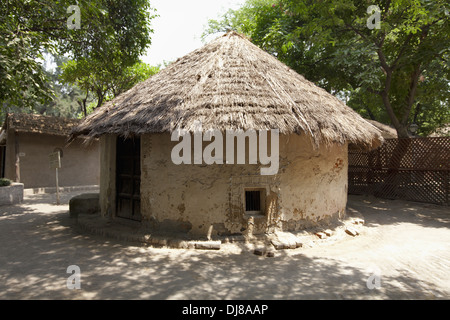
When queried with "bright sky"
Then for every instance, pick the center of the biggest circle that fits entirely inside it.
(178, 29)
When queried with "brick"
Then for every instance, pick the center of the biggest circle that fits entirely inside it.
(321, 235)
(190, 245)
(289, 244)
(351, 231)
(179, 244)
(278, 244)
(259, 251)
(208, 245)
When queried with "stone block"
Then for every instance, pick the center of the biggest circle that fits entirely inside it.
(88, 203)
(12, 194)
(208, 245)
(351, 231)
(321, 235)
(270, 254)
(264, 251)
(292, 244)
(278, 245)
(179, 244)
(162, 242)
(260, 251)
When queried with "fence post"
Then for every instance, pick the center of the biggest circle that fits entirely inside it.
(447, 189)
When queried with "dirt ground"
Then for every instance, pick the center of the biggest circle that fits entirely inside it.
(402, 252)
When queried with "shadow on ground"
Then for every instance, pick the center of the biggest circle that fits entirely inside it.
(36, 269)
(37, 249)
(398, 211)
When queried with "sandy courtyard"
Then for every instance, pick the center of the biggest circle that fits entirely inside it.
(402, 252)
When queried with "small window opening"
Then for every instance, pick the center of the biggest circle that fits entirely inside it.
(254, 201)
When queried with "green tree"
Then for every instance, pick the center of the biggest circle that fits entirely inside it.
(103, 82)
(138, 72)
(112, 33)
(397, 73)
(64, 102)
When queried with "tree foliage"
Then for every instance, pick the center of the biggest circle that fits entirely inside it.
(104, 83)
(64, 102)
(396, 74)
(112, 37)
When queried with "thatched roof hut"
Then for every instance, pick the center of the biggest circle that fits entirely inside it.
(26, 140)
(231, 84)
(36, 123)
(228, 84)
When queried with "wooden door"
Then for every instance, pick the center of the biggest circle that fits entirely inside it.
(128, 179)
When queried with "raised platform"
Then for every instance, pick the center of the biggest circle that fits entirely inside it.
(264, 244)
(12, 194)
(51, 190)
(134, 233)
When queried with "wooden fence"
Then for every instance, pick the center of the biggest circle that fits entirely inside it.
(415, 169)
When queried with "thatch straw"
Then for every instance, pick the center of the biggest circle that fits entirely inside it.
(387, 132)
(36, 123)
(231, 84)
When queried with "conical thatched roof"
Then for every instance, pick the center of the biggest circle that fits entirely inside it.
(230, 84)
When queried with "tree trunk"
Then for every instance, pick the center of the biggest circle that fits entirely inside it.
(391, 182)
(389, 188)
(100, 100)
(82, 105)
(371, 115)
(402, 132)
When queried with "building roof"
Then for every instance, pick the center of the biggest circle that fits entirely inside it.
(387, 132)
(443, 131)
(231, 84)
(36, 123)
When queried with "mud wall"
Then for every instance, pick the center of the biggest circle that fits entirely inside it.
(108, 175)
(80, 163)
(310, 187)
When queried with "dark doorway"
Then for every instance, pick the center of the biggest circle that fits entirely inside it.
(2, 161)
(128, 178)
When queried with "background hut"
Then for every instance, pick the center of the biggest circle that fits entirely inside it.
(26, 140)
(228, 84)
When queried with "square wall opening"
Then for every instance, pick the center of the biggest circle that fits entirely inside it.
(255, 201)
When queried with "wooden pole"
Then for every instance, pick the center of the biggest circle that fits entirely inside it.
(17, 163)
(57, 188)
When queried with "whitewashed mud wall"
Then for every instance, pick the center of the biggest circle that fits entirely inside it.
(311, 187)
(108, 175)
